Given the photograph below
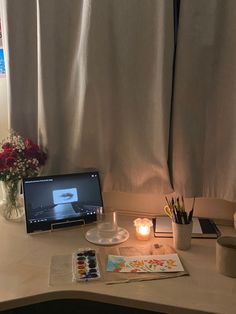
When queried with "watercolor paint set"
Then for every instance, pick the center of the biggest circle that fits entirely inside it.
(85, 265)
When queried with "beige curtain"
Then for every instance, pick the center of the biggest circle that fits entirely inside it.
(92, 81)
(204, 108)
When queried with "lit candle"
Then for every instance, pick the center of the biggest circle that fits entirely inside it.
(143, 228)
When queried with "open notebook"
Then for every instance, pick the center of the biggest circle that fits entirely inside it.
(202, 228)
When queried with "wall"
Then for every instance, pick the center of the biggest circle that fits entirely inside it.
(3, 113)
(154, 204)
(3, 109)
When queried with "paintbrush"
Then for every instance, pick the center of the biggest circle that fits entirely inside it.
(190, 216)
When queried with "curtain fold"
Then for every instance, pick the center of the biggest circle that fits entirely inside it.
(63, 28)
(204, 110)
(130, 54)
(92, 80)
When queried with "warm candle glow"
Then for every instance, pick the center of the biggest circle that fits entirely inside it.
(143, 228)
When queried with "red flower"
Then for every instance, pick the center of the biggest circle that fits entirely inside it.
(2, 162)
(42, 158)
(33, 151)
(6, 145)
(15, 149)
(156, 262)
(7, 151)
(4, 155)
(10, 161)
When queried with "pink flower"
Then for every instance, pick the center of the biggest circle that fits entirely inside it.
(28, 142)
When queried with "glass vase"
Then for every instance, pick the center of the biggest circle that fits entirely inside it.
(12, 203)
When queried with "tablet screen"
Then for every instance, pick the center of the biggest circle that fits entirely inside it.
(61, 200)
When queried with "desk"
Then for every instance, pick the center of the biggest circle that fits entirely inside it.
(24, 274)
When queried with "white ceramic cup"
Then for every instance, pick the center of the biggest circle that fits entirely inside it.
(182, 234)
(226, 255)
(107, 225)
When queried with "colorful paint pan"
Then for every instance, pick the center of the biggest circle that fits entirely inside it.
(85, 265)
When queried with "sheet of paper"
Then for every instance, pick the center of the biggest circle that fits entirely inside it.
(196, 226)
(144, 263)
(163, 224)
(60, 270)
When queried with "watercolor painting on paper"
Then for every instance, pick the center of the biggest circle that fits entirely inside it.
(144, 263)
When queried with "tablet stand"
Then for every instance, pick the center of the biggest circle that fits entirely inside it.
(66, 224)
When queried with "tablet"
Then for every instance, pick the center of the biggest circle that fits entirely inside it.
(59, 201)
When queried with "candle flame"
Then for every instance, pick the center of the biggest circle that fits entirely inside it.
(144, 229)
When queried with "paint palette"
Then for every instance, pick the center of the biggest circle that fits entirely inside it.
(85, 265)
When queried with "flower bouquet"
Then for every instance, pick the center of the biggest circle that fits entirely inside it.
(19, 158)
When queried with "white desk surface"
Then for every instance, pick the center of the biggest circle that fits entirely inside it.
(24, 274)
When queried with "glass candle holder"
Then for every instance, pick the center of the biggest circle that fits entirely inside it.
(143, 228)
